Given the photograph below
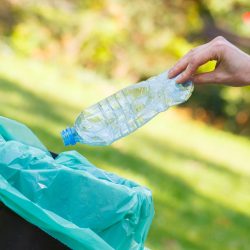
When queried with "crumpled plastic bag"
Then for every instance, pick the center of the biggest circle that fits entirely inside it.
(68, 197)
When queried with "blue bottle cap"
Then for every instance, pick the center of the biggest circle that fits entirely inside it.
(69, 136)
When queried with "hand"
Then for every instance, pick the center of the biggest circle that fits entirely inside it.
(232, 67)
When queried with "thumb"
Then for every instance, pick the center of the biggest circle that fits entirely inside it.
(205, 78)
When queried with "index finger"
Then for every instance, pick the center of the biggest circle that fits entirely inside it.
(194, 62)
(184, 61)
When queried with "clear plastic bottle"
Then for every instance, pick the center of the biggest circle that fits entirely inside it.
(125, 111)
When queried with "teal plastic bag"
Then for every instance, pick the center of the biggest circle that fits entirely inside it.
(68, 197)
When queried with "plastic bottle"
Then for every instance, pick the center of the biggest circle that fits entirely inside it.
(125, 111)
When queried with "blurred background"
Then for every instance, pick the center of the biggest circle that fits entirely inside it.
(59, 56)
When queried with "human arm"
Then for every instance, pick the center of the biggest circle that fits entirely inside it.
(232, 64)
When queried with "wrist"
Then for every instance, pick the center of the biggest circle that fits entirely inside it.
(246, 73)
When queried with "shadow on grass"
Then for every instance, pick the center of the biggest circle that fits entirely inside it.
(161, 148)
(33, 103)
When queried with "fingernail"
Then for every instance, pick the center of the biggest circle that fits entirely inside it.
(170, 73)
(178, 79)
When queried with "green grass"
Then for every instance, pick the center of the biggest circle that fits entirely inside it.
(199, 176)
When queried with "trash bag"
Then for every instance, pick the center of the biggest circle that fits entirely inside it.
(69, 198)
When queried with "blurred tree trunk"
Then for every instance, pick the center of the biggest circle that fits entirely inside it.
(211, 29)
(8, 16)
